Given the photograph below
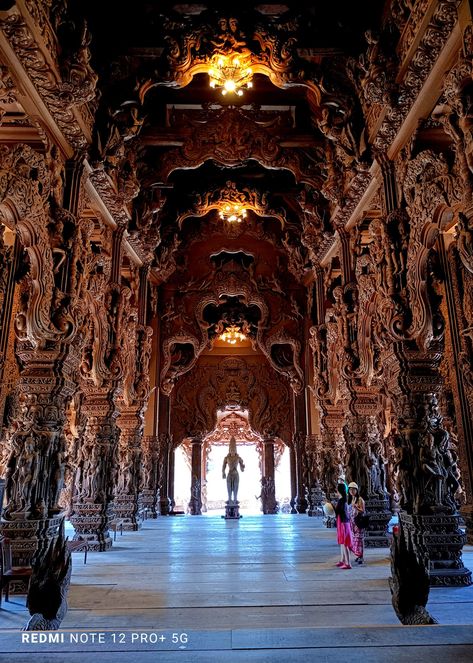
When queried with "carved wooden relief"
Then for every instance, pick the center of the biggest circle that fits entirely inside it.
(193, 50)
(236, 384)
(229, 137)
(250, 199)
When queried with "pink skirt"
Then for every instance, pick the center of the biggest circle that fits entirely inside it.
(344, 533)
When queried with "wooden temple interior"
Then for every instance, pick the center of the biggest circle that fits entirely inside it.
(256, 218)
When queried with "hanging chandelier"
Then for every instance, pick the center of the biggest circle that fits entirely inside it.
(232, 212)
(231, 73)
(232, 335)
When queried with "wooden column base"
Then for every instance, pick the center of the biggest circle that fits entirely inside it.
(438, 541)
(91, 522)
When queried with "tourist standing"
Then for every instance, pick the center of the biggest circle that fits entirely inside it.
(356, 507)
(344, 536)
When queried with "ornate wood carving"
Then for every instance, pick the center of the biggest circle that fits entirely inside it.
(25, 188)
(149, 496)
(64, 85)
(250, 199)
(233, 385)
(192, 49)
(421, 61)
(182, 347)
(230, 137)
(428, 187)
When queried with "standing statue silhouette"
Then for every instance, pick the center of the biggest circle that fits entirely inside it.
(232, 459)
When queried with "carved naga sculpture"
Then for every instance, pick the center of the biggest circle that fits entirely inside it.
(48, 588)
(409, 584)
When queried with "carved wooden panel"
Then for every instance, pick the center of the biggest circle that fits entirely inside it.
(234, 384)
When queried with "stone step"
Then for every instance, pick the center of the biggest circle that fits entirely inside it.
(382, 643)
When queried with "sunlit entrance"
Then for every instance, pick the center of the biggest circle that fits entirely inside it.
(249, 485)
(214, 488)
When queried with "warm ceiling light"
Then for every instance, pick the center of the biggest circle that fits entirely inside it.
(232, 335)
(232, 212)
(230, 73)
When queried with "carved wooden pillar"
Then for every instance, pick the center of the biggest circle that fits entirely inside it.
(315, 493)
(35, 470)
(135, 359)
(149, 496)
(298, 440)
(163, 506)
(195, 503)
(46, 323)
(333, 453)
(97, 467)
(268, 458)
(125, 504)
(171, 477)
(102, 368)
(366, 465)
(164, 450)
(293, 470)
(367, 462)
(458, 289)
(457, 262)
(424, 467)
(9, 257)
(428, 513)
(268, 488)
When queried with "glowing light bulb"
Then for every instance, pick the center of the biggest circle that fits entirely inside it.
(229, 86)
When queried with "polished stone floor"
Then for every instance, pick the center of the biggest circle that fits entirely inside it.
(264, 588)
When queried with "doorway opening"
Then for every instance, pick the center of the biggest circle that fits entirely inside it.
(217, 486)
(182, 477)
(250, 447)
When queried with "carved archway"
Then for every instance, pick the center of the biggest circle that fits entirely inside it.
(233, 384)
(230, 138)
(250, 198)
(192, 50)
(280, 348)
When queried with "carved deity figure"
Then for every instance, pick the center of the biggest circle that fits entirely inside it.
(27, 470)
(450, 463)
(431, 465)
(403, 469)
(232, 459)
(329, 471)
(465, 242)
(268, 495)
(230, 38)
(58, 468)
(377, 471)
(126, 477)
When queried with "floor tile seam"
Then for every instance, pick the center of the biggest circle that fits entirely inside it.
(369, 628)
(242, 605)
(341, 646)
(260, 588)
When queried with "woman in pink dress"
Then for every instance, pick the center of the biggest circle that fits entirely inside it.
(344, 537)
(356, 505)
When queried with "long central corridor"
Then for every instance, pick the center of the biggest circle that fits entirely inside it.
(258, 589)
